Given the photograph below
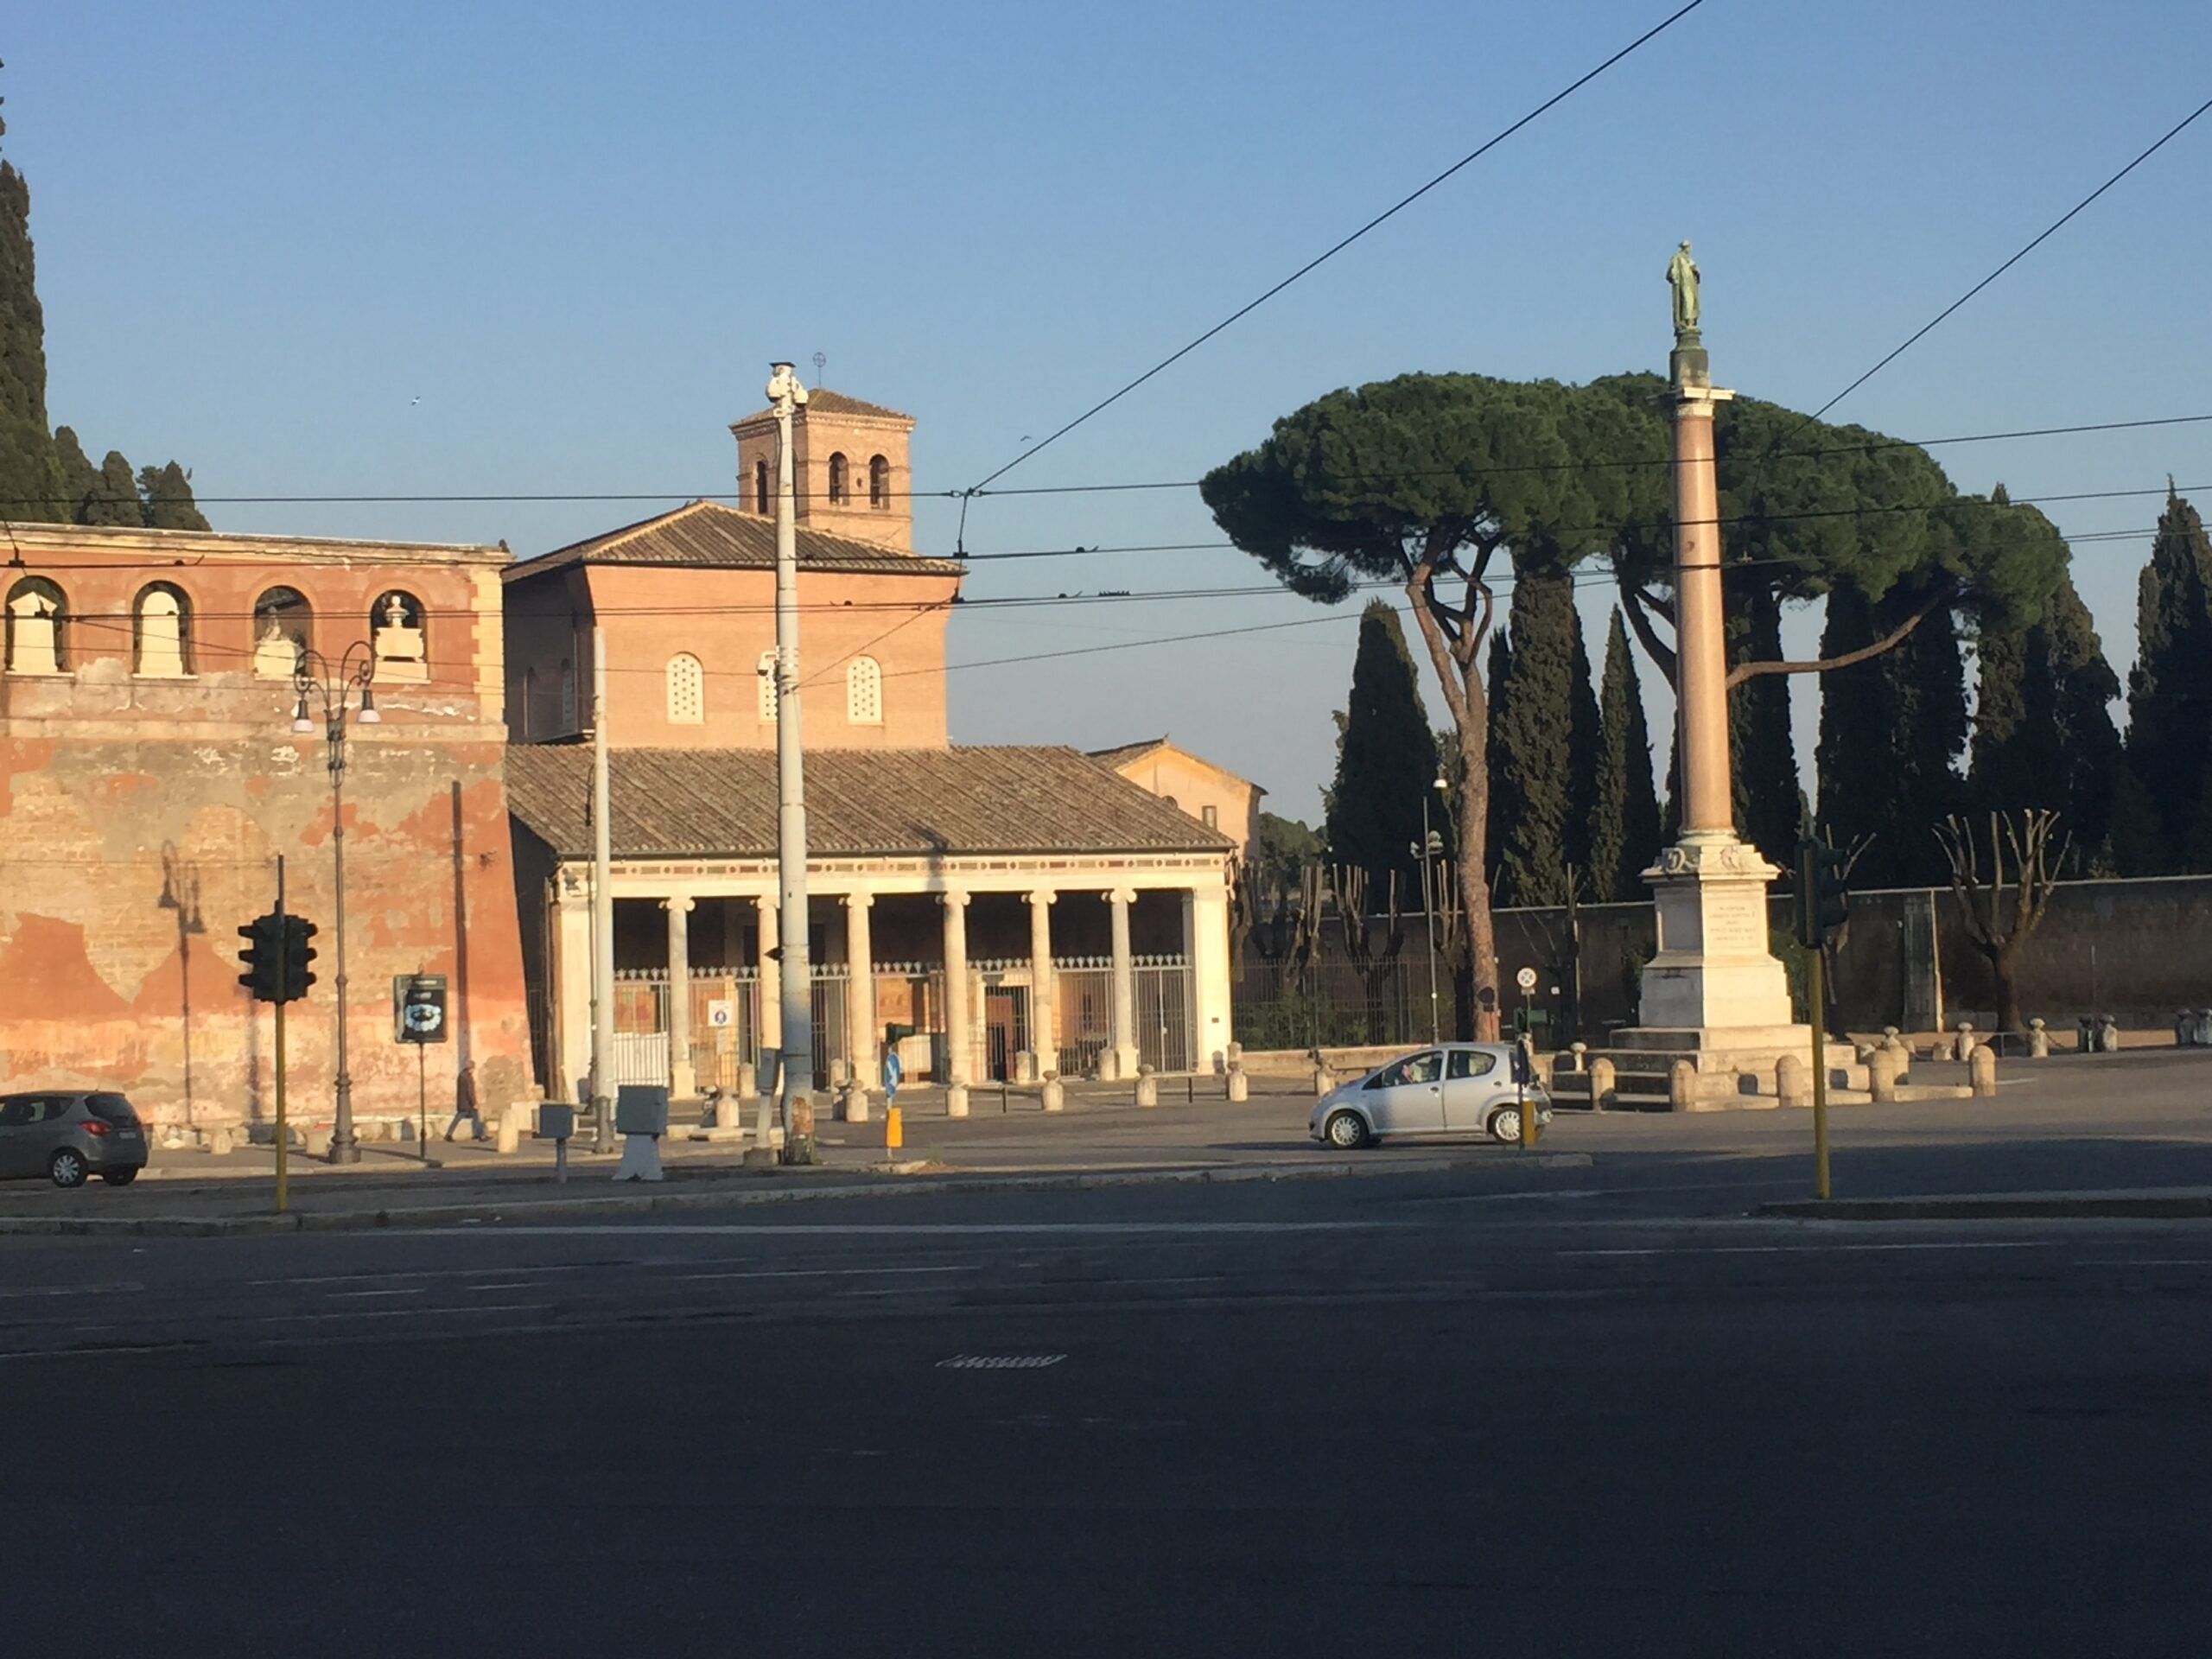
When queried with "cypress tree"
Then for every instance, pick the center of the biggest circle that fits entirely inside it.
(167, 492)
(80, 479)
(31, 468)
(1504, 804)
(1386, 760)
(2170, 689)
(2083, 686)
(1928, 676)
(1762, 752)
(114, 501)
(1533, 738)
(1624, 823)
(1853, 758)
(1585, 748)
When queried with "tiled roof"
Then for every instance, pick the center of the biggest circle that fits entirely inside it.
(1125, 753)
(823, 401)
(955, 801)
(708, 534)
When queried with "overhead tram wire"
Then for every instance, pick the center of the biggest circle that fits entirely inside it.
(1403, 202)
(685, 496)
(2041, 236)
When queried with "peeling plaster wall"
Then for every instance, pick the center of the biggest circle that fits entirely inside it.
(140, 823)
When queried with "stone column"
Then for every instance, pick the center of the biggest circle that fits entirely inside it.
(683, 1080)
(1701, 667)
(1205, 921)
(571, 977)
(956, 1017)
(772, 975)
(860, 1034)
(1125, 985)
(1044, 986)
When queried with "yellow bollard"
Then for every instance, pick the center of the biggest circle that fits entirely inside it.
(895, 1129)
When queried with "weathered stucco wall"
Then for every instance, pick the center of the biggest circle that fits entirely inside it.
(141, 818)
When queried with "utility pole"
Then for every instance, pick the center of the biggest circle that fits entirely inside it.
(795, 1071)
(602, 909)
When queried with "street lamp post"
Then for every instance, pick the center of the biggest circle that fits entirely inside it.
(332, 685)
(1432, 845)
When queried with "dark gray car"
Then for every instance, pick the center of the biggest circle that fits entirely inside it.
(68, 1134)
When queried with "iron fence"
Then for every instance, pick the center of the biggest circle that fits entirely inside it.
(1332, 1004)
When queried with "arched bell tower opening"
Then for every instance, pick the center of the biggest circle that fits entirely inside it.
(851, 467)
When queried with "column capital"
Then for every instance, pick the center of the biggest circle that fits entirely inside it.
(679, 905)
(953, 899)
(1040, 896)
(857, 900)
(1120, 895)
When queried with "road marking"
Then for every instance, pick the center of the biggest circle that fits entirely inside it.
(950, 1230)
(404, 1312)
(1819, 1250)
(816, 1273)
(409, 1290)
(71, 1290)
(998, 1362)
(1500, 1198)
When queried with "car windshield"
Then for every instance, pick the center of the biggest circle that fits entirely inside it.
(114, 1108)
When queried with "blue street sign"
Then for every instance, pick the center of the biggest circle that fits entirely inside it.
(892, 1072)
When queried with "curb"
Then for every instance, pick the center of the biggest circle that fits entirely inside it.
(2025, 1207)
(491, 1212)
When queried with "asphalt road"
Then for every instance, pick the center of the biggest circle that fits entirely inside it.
(1451, 1413)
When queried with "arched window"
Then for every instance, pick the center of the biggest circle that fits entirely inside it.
(160, 630)
(282, 628)
(879, 481)
(37, 622)
(760, 502)
(864, 692)
(687, 690)
(766, 672)
(568, 697)
(841, 488)
(396, 634)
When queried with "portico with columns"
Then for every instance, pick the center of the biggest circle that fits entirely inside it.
(982, 963)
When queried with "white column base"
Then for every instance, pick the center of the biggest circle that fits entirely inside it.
(1713, 970)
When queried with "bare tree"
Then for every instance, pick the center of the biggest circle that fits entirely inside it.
(2003, 907)
(1348, 883)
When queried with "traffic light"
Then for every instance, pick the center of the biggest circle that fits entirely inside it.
(1823, 891)
(277, 955)
(298, 953)
(264, 938)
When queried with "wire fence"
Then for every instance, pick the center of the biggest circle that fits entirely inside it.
(1333, 1004)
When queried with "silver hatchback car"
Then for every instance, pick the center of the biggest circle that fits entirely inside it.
(68, 1135)
(1453, 1089)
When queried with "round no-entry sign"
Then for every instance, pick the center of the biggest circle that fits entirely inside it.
(1525, 979)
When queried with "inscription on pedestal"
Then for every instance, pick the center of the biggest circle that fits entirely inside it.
(1735, 923)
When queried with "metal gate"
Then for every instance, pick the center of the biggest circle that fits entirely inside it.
(1163, 1013)
(1082, 1006)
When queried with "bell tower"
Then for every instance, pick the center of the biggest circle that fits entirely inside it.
(850, 463)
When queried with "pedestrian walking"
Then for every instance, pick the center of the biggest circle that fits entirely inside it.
(464, 1102)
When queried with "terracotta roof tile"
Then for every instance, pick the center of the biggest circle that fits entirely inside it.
(723, 803)
(708, 534)
(833, 402)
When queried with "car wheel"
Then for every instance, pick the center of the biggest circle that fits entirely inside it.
(1505, 1126)
(66, 1167)
(1348, 1131)
(118, 1177)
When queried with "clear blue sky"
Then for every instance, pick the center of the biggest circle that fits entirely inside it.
(577, 233)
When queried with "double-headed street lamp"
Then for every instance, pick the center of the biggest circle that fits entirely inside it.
(333, 685)
(1431, 848)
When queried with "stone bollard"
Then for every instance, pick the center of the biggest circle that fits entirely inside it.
(1982, 1072)
(836, 1072)
(749, 1080)
(2038, 1040)
(318, 1143)
(2185, 1028)
(956, 1100)
(856, 1103)
(1235, 1056)
(511, 1123)
(1025, 1066)
(1056, 1097)
(1147, 1087)
(1964, 1048)
(219, 1143)
(1577, 1057)
(1793, 1086)
(2085, 1035)
(1322, 1081)
(2108, 1034)
(1240, 1087)
(1883, 1071)
(1601, 1084)
(1681, 1087)
(729, 1113)
(2204, 1027)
